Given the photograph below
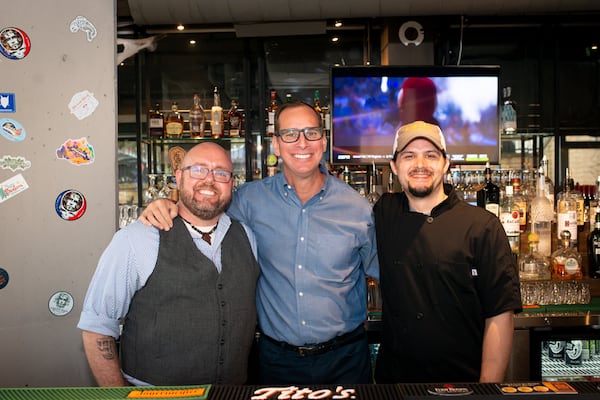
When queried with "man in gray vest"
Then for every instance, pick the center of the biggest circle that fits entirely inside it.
(182, 302)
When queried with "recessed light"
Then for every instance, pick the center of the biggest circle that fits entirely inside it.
(338, 24)
(180, 27)
(192, 42)
(335, 39)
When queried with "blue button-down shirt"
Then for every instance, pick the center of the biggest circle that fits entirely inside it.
(313, 257)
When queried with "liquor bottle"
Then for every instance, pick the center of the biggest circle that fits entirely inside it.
(508, 112)
(288, 98)
(271, 109)
(533, 266)
(156, 122)
(510, 219)
(196, 118)
(542, 214)
(594, 203)
(593, 247)
(216, 115)
(548, 183)
(488, 196)
(566, 261)
(579, 200)
(521, 202)
(566, 211)
(236, 119)
(174, 123)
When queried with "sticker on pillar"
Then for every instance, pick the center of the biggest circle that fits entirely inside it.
(7, 103)
(83, 104)
(11, 187)
(70, 205)
(14, 163)
(12, 130)
(60, 303)
(76, 151)
(14, 43)
(82, 24)
(3, 278)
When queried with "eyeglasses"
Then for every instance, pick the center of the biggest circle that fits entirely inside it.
(200, 172)
(292, 135)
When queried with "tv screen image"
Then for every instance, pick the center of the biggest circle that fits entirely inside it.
(369, 103)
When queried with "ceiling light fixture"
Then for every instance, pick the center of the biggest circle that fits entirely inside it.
(180, 27)
(335, 39)
(192, 42)
(338, 23)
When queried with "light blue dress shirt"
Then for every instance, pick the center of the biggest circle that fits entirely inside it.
(313, 257)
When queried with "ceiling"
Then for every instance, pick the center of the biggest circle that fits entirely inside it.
(206, 12)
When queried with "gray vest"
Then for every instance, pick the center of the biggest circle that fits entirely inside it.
(191, 324)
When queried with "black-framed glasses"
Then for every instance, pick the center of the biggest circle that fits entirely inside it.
(292, 135)
(200, 172)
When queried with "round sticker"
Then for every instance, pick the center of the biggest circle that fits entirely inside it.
(12, 130)
(14, 43)
(60, 303)
(70, 205)
(3, 278)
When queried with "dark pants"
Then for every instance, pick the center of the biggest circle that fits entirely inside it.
(347, 364)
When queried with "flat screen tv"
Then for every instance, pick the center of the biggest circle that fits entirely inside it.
(369, 103)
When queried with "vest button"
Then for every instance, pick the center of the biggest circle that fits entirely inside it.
(222, 304)
(220, 286)
(420, 315)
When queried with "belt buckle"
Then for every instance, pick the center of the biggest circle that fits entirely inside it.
(305, 350)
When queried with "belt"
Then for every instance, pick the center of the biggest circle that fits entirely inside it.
(320, 348)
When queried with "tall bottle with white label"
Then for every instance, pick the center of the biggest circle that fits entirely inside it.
(510, 218)
(216, 115)
(566, 211)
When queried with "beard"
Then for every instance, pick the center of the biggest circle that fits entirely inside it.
(204, 209)
(422, 191)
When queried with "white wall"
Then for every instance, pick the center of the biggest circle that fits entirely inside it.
(41, 252)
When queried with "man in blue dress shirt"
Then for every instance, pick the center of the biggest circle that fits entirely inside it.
(316, 242)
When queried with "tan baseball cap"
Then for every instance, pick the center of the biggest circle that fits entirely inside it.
(419, 130)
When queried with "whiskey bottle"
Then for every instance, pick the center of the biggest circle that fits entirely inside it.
(156, 122)
(174, 123)
(510, 219)
(566, 211)
(271, 110)
(594, 248)
(216, 115)
(521, 202)
(488, 196)
(566, 261)
(196, 119)
(236, 119)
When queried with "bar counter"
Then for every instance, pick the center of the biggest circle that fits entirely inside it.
(538, 390)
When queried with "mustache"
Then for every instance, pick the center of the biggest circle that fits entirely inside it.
(420, 170)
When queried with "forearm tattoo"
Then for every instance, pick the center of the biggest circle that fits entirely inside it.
(107, 348)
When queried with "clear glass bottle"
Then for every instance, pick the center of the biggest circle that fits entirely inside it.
(566, 211)
(593, 248)
(236, 119)
(271, 110)
(534, 266)
(488, 196)
(542, 214)
(174, 122)
(510, 219)
(156, 122)
(566, 261)
(579, 200)
(508, 113)
(216, 115)
(548, 183)
(196, 118)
